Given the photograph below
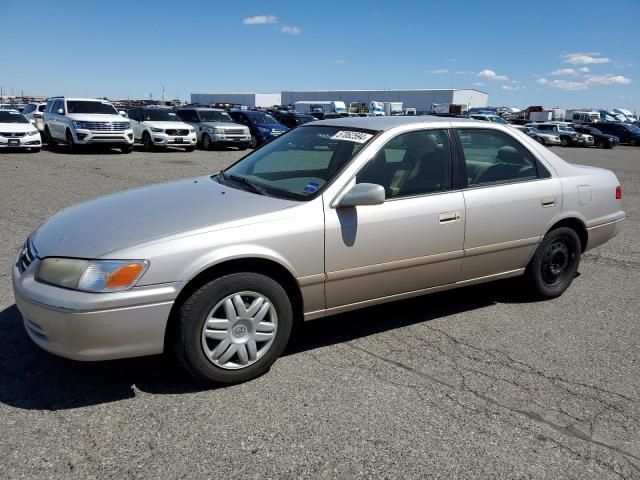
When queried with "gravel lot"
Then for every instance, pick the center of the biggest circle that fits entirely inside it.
(474, 383)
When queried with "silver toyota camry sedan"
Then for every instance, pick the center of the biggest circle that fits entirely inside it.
(333, 216)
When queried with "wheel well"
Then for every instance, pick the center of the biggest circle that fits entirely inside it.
(254, 265)
(578, 226)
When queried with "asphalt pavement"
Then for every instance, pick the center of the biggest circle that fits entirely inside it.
(474, 383)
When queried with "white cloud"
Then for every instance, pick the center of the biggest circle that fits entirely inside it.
(585, 58)
(340, 61)
(563, 84)
(565, 72)
(291, 30)
(479, 84)
(260, 20)
(607, 79)
(439, 71)
(463, 72)
(491, 75)
(509, 88)
(583, 69)
(452, 60)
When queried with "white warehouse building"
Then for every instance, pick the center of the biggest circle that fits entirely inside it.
(420, 99)
(248, 99)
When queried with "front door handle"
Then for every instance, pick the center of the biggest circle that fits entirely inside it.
(449, 217)
(548, 202)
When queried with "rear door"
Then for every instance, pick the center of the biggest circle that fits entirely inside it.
(510, 200)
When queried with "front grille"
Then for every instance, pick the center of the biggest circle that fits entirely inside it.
(234, 131)
(177, 133)
(105, 126)
(13, 134)
(27, 255)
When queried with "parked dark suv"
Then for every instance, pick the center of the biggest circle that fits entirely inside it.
(292, 119)
(626, 132)
(263, 127)
(602, 140)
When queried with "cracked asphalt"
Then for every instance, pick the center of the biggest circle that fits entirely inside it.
(474, 383)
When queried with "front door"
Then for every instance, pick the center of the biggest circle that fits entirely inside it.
(413, 241)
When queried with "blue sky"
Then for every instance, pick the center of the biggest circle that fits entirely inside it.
(554, 53)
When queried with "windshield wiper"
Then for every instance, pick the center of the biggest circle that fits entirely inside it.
(220, 177)
(248, 183)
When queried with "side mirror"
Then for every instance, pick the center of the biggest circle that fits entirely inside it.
(61, 111)
(122, 112)
(363, 194)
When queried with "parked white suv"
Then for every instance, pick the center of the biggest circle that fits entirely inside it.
(34, 111)
(84, 121)
(159, 127)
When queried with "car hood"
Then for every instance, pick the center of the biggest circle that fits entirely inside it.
(125, 219)
(96, 117)
(272, 126)
(222, 125)
(16, 127)
(172, 125)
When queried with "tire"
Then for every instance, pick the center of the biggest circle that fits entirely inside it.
(71, 144)
(225, 355)
(127, 149)
(564, 142)
(35, 150)
(147, 142)
(50, 141)
(600, 144)
(554, 264)
(542, 141)
(189, 149)
(633, 142)
(254, 141)
(206, 141)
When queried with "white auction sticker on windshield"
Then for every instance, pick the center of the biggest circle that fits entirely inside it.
(351, 136)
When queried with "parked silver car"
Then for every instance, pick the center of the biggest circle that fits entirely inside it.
(214, 127)
(333, 216)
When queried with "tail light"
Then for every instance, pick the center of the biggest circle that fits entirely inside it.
(618, 192)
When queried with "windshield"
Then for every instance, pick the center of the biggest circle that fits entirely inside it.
(595, 131)
(84, 106)
(632, 128)
(565, 128)
(497, 119)
(159, 115)
(299, 164)
(12, 117)
(258, 117)
(214, 116)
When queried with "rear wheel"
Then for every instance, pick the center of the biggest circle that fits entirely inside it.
(555, 263)
(50, 141)
(206, 141)
(633, 142)
(564, 142)
(147, 142)
(233, 328)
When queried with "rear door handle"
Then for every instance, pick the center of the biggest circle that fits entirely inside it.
(548, 202)
(449, 217)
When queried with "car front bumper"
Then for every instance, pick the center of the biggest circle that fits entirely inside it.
(87, 137)
(32, 141)
(230, 139)
(162, 139)
(93, 326)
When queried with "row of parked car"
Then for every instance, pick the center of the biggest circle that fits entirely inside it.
(74, 122)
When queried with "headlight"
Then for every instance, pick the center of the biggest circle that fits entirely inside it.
(35, 132)
(192, 130)
(157, 130)
(97, 276)
(127, 125)
(218, 130)
(81, 125)
(264, 130)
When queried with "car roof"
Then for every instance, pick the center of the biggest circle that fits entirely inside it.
(382, 123)
(202, 108)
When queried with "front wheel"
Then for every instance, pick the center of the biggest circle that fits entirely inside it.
(233, 328)
(189, 149)
(127, 149)
(71, 144)
(147, 142)
(564, 142)
(554, 264)
(633, 142)
(254, 141)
